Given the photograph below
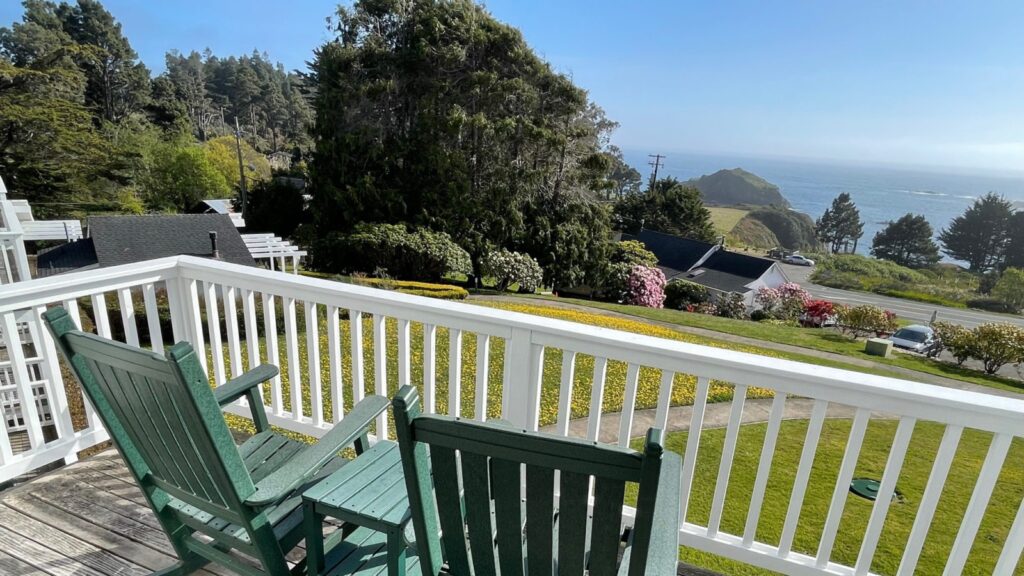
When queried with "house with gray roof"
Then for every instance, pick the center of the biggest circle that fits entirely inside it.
(115, 240)
(711, 265)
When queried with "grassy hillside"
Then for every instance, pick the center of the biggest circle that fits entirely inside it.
(725, 219)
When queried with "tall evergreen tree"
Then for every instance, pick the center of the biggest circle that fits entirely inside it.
(1014, 256)
(118, 83)
(840, 227)
(670, 207)
(907, 242)
(981, 234)
(460, 127)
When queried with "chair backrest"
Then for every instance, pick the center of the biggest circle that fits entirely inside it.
(162, 415)
(456, 468)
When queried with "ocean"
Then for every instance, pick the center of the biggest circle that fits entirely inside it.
(880, 193)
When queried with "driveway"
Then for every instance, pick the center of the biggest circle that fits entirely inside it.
(909, 309)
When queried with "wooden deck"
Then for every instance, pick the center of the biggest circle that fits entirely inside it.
(90, 519)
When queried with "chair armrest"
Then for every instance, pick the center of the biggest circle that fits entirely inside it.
(237, 387)
(308, 462)
(248, 385)
(663, 554)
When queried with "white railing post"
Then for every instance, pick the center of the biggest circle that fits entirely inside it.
(521, 402)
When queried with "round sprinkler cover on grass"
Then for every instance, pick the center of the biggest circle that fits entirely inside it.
(865, 487)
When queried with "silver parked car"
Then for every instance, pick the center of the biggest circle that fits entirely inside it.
(798, 260)
(917, 338)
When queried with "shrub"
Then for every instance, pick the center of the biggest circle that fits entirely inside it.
(1010, 288)
(760, 315)
(998, 344)
(624, 256)
(646, 287)
(785, 302)
(862, 270)
(513, 268)
(632, 252)
(441, 291)
(991, 305)
(819, 308)
(731, 305)
(420, 255)
(865, 320)
(955, 338)
(681, 293)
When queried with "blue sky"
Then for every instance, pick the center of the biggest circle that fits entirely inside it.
(917, 83)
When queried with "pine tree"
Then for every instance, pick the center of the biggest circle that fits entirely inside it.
(118, 83)
(670, 207)
(1014, 256)
(981, 234)
(840, 226)
(907, 242)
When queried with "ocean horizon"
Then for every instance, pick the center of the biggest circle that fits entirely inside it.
(881, 193)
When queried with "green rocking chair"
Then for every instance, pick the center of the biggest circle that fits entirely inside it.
(167, 425)
(464, 480)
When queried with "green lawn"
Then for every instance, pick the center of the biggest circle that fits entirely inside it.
(816, 339)
(911, 483)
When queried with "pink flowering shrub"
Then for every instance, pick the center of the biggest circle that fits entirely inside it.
(645, 286)
(786, 302)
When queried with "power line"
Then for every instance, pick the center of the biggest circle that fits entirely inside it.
(656, 163)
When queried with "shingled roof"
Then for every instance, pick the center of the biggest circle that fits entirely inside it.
(722, 270)
(115, 240)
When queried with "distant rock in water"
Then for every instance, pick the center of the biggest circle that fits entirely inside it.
(738, 187)
(770, 227)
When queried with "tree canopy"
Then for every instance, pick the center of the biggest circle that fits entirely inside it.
(981, 234)
(907, 242)
(84, 129)
(840, 227)
(669, 206)
(459, 127)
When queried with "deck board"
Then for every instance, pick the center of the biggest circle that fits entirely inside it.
(91, 519)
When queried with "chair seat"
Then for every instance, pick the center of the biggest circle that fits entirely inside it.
(262, 454)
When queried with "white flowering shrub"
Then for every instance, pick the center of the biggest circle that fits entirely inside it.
(509, 268)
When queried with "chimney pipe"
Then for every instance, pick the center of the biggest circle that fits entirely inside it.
(213, 244)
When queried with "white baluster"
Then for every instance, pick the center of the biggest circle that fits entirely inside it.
(291, 343)
(124, 301)
(231, 323)
(355, 320)
(483, 354)
(313, 362)
(629, 404)
(764, 467)
(700, 400)
(252, 338)
(725, 464)
(334, 360)
(454, 372)
(596, 399)
(846, 470)
(664, 399)
(22, 381)
(404, 378)
(566, 382)
(273, 354)
(803, 473)
(886, 490)
(156, 337)
(1012, 547)
(429, 368)
(380, 367)
(213, 326)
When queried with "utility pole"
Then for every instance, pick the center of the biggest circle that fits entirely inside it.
(656, 163)
(241, 170)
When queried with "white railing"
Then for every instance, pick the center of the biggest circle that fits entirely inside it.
(337, 342)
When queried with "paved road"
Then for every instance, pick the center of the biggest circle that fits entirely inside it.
(916, 311)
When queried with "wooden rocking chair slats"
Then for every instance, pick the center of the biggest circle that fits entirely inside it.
(167, 424)
(465, 483)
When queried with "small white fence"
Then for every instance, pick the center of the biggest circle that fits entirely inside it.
(339, 342)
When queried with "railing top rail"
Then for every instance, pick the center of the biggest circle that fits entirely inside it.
(927, 401)
(883, 394)
(30, 293)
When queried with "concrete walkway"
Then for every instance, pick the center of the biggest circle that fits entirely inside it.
(725, 337)
(716, 415)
